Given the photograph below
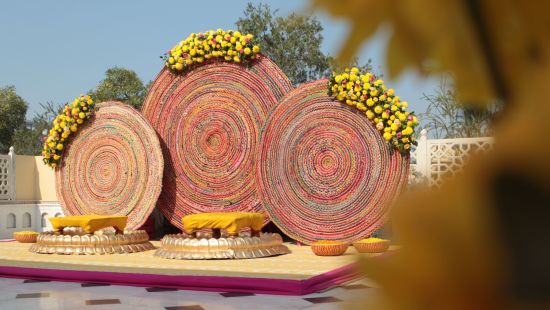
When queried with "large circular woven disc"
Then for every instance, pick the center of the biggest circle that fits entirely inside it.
(326, 173)
(113, 166)
(209, 121)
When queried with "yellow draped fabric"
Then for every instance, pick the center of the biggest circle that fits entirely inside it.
(233, 222)
(89, 223)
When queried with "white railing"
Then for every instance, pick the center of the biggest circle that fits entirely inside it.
(7, 176)
(433, 160)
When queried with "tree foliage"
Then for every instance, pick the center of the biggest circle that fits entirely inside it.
(12, 116)
(122, 85)
(28, 138)
(446, 117)
(292, 42)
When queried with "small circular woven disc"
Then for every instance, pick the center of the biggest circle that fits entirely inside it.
(209, 120)
(326, 173)
(113, 166)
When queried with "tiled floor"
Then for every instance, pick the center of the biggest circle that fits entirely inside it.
(32, 294)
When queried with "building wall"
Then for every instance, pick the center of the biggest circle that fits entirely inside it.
(45, 181)
(21, 212)
(25, 177)
(34, 180)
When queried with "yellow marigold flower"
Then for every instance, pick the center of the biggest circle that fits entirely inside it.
(179, 66)
(391, 92)
(59, 146)
(171, 60)
(180, 60)
(385, 115)
(338, 79)
(370, 102)
(361, 106)
(369, 114)
(402, 117)
(407, 146)
(394, 127)
(387, 136)
(236, 59)
(377, 109)
(56, 157)
(79, 121)
(65, 134)
(256, 49)
(354, 70)
(247, 51)
(405, 140)
(404, 104)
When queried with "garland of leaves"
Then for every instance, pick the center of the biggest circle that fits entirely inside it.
(368, 93)
(67, 123)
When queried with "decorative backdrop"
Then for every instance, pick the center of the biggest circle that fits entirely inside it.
(113, 166)
(325, 171)
(209, 120)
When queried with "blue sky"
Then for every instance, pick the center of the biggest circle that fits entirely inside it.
(56, 50)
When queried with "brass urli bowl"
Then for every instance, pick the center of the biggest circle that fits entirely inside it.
(186, 247)
(77, 243)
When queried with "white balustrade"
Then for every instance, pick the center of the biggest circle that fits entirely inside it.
(7, 176)
(435, 159)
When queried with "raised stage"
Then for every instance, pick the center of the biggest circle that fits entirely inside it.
(298, 273)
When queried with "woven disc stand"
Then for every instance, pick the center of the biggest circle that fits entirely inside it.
(326, 173)
(113, 166)
(209, 120)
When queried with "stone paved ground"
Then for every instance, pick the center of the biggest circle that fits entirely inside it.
(30, 294)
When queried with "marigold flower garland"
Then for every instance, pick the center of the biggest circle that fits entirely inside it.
(65, 124)
(368, 93)
(222, 45)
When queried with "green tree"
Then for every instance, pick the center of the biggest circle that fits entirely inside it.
(28, 138)
(292, 42)
(446, 117)
(12, 116)
(121, 84)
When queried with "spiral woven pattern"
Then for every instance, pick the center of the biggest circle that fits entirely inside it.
(326, 173)
(209, 120)
(113, 166)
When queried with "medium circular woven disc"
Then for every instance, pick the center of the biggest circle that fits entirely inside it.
(326, 173)
(113, 166)
(209, 121)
